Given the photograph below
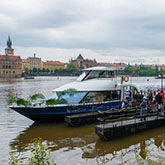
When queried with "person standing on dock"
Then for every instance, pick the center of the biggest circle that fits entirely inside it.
(159, 101)
(128, 96)
(143, 109)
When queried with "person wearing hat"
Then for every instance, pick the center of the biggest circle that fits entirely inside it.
(143, 109)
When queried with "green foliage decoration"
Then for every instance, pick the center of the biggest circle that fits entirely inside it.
(12, 100)
(37, 96)
(51, 102)
(22, 102)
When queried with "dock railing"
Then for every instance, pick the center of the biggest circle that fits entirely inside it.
(128, 114)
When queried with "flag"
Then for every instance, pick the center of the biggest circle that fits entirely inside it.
(122, 79)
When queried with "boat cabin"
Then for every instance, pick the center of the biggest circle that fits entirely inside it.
(97, 72)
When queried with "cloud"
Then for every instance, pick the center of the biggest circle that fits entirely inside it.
(130, 28)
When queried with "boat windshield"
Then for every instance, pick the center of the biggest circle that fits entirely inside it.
(96, 74)
(71, 97)
(82, 76)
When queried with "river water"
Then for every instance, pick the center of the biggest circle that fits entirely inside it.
(76, 146)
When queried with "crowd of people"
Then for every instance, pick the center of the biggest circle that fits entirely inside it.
(150, 97)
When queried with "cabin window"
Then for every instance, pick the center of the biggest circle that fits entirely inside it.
(92, 97)
(71, 97)
(107, 74)
(100, 74)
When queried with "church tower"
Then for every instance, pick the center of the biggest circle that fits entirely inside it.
(9, 50)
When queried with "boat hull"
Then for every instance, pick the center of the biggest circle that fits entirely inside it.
(58, 112)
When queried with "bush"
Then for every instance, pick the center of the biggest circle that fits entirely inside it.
(39, 155)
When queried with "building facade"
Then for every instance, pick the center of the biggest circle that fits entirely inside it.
(25, 65)
(35, 62)
(52, 65)
(116, 66)
(81, 63)
(10, 65)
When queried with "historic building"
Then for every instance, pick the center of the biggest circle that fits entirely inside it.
(25, 65)
(10, 65)
(52, 65)
(35, 62)
(116, 66)
(81, 63)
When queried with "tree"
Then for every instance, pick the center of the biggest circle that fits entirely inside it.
(34, 70)
(43, 70)
(47, 70)
(39, 70)
(26, 70)
(71, 67)
(156, 70)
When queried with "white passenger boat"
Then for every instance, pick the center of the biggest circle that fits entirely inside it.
(96, 89)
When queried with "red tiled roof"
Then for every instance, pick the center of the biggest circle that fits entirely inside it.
(1, 57)
(13, 58)
(33, 58)
(54, 63)
(25, 60)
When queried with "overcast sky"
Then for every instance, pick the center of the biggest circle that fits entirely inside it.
(106, 30)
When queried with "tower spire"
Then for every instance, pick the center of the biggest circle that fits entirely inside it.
(9, 42)
(9, 50)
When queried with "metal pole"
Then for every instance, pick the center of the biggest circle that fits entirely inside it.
(162, 82)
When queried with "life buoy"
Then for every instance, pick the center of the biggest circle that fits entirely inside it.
(126, 78)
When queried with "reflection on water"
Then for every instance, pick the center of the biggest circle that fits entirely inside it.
(91, 146)
(70, 145)
(59, 135)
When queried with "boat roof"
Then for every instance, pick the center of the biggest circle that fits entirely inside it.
(99, 68)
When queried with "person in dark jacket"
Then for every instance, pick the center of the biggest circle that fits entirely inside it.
(143, 109)
(159, 101)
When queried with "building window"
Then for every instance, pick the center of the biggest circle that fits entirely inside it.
(9, 72)
(3, 66)
(13, 72)
(3, 72)
(6, 72)
(6, 66)
(9, 66)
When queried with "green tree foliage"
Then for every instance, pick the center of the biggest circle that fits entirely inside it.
(34, 70)
(39, 70)
(141, 71)
(47, 70)
(70, 67)
(43, 70)
(26, 70)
